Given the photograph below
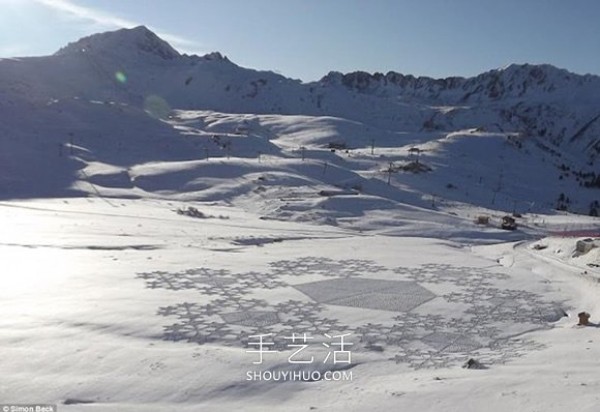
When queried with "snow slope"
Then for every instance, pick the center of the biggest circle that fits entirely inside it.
(156, 105)
(126, 305)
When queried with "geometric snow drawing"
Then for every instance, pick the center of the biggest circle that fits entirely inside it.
(477, 312)
(325, 267)
(391, 295)
(451, 342)
(251, 318)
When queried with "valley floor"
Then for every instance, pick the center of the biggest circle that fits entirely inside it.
(114, 304)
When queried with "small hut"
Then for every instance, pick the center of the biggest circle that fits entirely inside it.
(482, 220)
(584, 245)
(508, 223)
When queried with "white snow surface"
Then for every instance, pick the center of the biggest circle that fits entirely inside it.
(116, 304)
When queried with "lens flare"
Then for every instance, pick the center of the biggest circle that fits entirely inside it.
(120, 76)
(156, 107)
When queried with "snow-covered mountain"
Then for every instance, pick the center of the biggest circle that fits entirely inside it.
(101, 108)
(163, 213)
(537, 101)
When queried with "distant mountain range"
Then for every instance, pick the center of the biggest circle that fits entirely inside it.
(539, 101)
(132, 73)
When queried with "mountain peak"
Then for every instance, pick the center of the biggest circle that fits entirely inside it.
(533, 72)
(216, 56)
(139, 39)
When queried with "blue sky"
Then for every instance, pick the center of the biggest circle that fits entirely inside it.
(305, 39)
